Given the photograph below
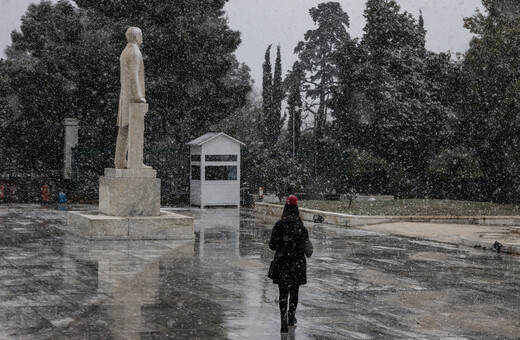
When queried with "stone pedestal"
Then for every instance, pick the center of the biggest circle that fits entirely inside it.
(129, 192)
(129, 209)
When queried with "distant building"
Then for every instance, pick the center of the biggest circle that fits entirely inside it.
(215, 170)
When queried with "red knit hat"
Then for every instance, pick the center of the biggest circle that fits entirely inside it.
(292, 200)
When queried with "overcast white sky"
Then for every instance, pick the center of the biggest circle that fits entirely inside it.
(284, 22)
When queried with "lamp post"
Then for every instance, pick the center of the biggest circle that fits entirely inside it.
(296, 109)
(293, 135)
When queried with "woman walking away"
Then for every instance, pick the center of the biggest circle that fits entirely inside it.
(290, 240)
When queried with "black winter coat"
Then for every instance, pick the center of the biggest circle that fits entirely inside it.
(288, 239)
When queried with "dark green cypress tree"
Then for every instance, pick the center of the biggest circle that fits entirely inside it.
(294, 82)
(276, 120)
(421, 21)
(267, 96)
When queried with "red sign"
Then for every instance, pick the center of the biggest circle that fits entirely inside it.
(45, 193)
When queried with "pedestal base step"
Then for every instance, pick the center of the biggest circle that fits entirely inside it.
(95, 226)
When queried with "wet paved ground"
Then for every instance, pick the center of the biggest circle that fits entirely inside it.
(362, 285)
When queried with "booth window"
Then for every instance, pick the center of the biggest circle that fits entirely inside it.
(221, 173)
(195, 172)
(221, 158)
(195, 158)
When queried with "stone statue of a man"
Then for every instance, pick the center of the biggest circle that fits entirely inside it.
(132, 91)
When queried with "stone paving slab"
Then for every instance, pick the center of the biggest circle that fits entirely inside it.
(362, 284)
(49, 278)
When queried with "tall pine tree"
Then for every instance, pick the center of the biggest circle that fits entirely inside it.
(317, 57)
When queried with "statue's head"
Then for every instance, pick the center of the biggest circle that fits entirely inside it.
(134, 35)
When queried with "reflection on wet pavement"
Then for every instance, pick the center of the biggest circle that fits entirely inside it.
(362, 285)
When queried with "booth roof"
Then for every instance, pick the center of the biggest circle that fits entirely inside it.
(210, 136)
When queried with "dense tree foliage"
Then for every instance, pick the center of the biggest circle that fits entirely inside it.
(407, 125)
(66, 64)
(59, 66)
(4, 92)
(490, 117)
(43, 81)
(243, 123)
(392, 99)
(189, 57)
(37, 79)
(365, 173)
(455, 173)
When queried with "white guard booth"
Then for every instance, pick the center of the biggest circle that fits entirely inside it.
(215, 170)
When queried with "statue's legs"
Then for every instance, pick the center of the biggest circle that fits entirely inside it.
(136, 136)
(121, 148)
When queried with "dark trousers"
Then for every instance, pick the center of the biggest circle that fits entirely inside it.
(288, 293)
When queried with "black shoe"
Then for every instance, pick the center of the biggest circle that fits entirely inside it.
(292, 320)
(284, 328)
